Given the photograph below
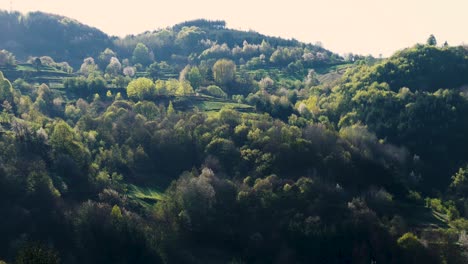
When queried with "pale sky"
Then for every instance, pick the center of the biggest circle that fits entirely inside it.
(359, 26)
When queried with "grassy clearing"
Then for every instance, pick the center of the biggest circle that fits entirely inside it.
(144, 195)
(42, 68)
(208, 104)
(48, 75)
(341, 68)
(217, 105)
(421, 217)
(56, 85)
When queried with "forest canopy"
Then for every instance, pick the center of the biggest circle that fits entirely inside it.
(198, 143)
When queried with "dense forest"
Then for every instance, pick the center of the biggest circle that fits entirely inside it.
(197, 143)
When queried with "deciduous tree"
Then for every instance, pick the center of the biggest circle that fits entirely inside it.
(224, 71)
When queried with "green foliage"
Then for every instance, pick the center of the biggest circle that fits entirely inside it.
(436, 204)
(116, 213)
(105, 57)
(426, 68)
(114, 67)
(37, 253)
(189, 37)
(6, 90)
(142, 55)
(224, 71)
(414, 249)
(184, 89)
(194, 77)
(147, 109)
(339, 160)
(431, 41)
(460, 182)
(215, 91)
(141, 88)
(89, 67)
(379, 97)
(7, 58)
(66, 38)
(170, 109)
(409, 241)
(146, 196)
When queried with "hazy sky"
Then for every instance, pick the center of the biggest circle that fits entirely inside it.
(358, 26)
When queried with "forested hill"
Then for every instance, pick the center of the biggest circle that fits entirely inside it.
(64, 39)
(201, 144)
(40, 34)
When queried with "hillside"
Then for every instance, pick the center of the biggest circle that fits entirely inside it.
(201, 144)
(40, 34)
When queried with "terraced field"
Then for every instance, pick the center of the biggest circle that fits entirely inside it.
(44, 74)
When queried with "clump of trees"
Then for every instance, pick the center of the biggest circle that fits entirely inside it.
(7, 58)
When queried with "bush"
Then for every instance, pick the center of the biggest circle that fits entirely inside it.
(215, 91)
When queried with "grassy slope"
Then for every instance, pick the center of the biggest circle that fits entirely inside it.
(144, 195)
(49, 75)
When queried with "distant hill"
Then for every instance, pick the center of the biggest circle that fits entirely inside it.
(416, 98)
(201, 37)
(39, 34)
(65, 39)
(423, 67)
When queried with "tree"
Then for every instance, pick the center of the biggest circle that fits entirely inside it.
(121, 81)
(141, 88)
(172, 85)
(188, 37)
(64, 66)
(62, 136)
(147, 109)
(7, 58)
(78, 85)
(116, 212)
(37, 63)
(460, 182)
(184, 88)
(70, 154)
(413, 248)
(224, 71)
(129, 71)
(265, 47)
(96, 83)
(161, 88)
(431, 41)
(6, 90)
(193, 200)
(194, 77)
(5, 115)
(88, 66)
(154, 70)
(44, 98)
(105, 57)
(47, 61)
(224, 149)
(37, 253)
(142, 55)
(266, 84)
(114, 68)
(183, 74)
(170, 109)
